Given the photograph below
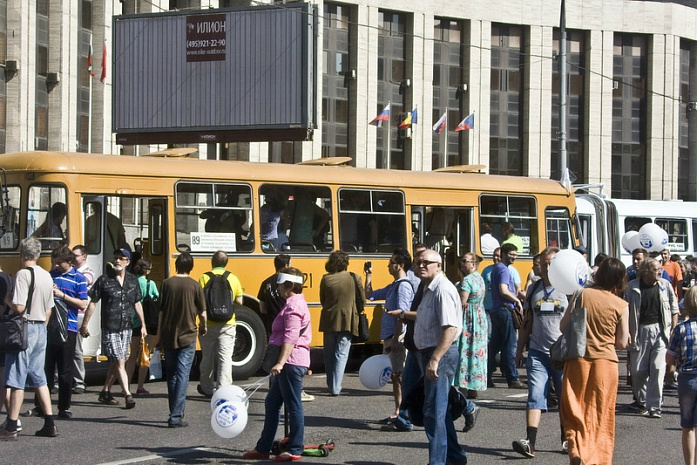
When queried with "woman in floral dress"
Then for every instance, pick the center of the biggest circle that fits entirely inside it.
(472, 369)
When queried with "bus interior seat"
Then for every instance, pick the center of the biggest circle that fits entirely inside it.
(267, 246)
(301, 247)
(348, 247)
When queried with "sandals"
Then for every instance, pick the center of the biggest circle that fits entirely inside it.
(105, 397)
(254, 455)
(130, 403)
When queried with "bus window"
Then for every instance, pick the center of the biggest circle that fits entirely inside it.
(634, 223)
(371, 221)
(694, 235)
(307, 223)
(213, 216)
(558, 228)
(677, 233)
(156, 228)
(507, 210)
(48, 210)
(93, 228)
(9, 220)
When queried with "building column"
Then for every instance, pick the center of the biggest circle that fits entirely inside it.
(598, 108)
(422, 93)
(21, 95)
(538, 79)
(692, 125)
(478, 80)
(366, 86)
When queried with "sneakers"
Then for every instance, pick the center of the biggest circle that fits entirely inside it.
(516, 384)
(142, 392)
(471, 419)
(637, 407)
(4, 425)
(130, 403)
(285, 457)
(254, 455)
(653, 413)
(181, 424)
(523, 447)
(47, 432)
(305, 397)
(105, 397)
(8, 435)
(203, 393)
(78, 390)
(398, 425)
(67, 414)
(33, 412)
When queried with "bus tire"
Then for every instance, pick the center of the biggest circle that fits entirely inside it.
(250, 344)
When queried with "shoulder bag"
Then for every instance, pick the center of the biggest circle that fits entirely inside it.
(363, 327)
(572, 342)
(57, 329)
(13, 326)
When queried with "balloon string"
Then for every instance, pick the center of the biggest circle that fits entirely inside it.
(256, 385)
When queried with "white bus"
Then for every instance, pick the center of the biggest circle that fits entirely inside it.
(602, 222)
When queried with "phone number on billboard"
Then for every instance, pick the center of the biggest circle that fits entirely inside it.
(205, 43)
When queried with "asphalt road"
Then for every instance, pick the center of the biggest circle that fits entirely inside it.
(101, 434)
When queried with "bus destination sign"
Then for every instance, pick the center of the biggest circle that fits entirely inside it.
(205, 37)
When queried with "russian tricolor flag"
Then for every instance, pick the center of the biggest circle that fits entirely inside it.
(441, 123)
(383, 116)
(467, 123)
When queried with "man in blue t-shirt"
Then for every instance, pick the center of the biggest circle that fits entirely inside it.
(503, 331)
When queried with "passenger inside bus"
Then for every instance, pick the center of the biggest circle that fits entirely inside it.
(308, 221)
(50, 233)
(114, 236)
(274, 219)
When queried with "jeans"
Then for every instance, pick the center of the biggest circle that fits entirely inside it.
(61, 356)
(648, 366)
(178, 366)
(504, 339)
(285, 388)
(438, 423)
(336, 352)
(217, 347)
(540, 373)
(410, 375)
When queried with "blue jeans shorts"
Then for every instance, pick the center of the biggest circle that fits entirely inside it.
(26, 369)
(687, 398)
(540, 373)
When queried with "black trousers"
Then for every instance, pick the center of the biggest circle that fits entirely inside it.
(60, 356)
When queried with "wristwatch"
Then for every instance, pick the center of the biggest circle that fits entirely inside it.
(401, 315)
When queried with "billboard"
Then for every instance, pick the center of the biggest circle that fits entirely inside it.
(211, 76)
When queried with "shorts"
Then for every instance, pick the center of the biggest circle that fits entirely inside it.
(397, 357)
(26, 369)
(540, 373)
(687, 398)
(116, 344)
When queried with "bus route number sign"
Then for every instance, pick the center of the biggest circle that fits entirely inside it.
(206, 37)
(210, 242)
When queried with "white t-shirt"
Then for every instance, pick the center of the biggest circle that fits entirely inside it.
(42, 300)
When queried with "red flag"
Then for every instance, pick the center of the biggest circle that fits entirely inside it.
(103, 77)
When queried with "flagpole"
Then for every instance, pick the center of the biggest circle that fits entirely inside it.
(389, 137)
(445, 155)
(89, 111)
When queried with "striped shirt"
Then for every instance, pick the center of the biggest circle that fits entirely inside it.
(683, 345)
(73, 284)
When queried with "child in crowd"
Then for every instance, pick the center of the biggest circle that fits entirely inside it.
(682, 351)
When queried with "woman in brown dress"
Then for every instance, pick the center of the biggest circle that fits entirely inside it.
(590, 383)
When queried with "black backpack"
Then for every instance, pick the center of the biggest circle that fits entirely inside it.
(219, 306)
(151, 310)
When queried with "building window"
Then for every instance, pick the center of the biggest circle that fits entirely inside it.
(506, 143)
(392, 65)
(335, 84)
(448, 71)
(41, 92)
(3, 86)
(575, 117)
(629, 117)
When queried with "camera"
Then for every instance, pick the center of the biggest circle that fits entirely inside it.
(367, 266)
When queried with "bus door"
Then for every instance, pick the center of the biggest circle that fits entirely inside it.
(447, 230)
(93, 221)
(154, 240)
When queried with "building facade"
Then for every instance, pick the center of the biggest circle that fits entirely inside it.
(632, 86)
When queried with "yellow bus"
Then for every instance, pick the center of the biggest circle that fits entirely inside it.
(160, 206)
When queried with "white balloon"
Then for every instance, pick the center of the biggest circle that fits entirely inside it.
(652, 237)
(630, 241)
(376, 371)
(229, 419)
(228, 393)
(568, 271)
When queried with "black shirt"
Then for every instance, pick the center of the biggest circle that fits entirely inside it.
(268, 293)
(118, 302)
(650, 304)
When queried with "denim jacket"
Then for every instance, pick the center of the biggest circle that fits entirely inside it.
(669, 307)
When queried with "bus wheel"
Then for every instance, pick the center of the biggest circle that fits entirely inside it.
(250, 344)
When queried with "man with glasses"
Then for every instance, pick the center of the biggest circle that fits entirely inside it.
(438, 325)
(397, 296)
(503, 331)
(121, 296)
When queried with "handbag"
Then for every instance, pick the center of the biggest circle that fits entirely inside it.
(156, 365)
(572, 342)
(151, 309)
(363, 326)
(14, 336)
(144, 359)
(57, 328)
(273, 352)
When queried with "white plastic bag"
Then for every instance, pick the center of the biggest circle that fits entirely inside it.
(156, 365)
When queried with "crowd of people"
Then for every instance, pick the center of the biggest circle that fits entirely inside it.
(438, 335)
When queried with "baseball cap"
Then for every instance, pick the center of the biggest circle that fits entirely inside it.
(122, 252)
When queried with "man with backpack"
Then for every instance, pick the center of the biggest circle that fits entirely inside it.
(222, 290)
